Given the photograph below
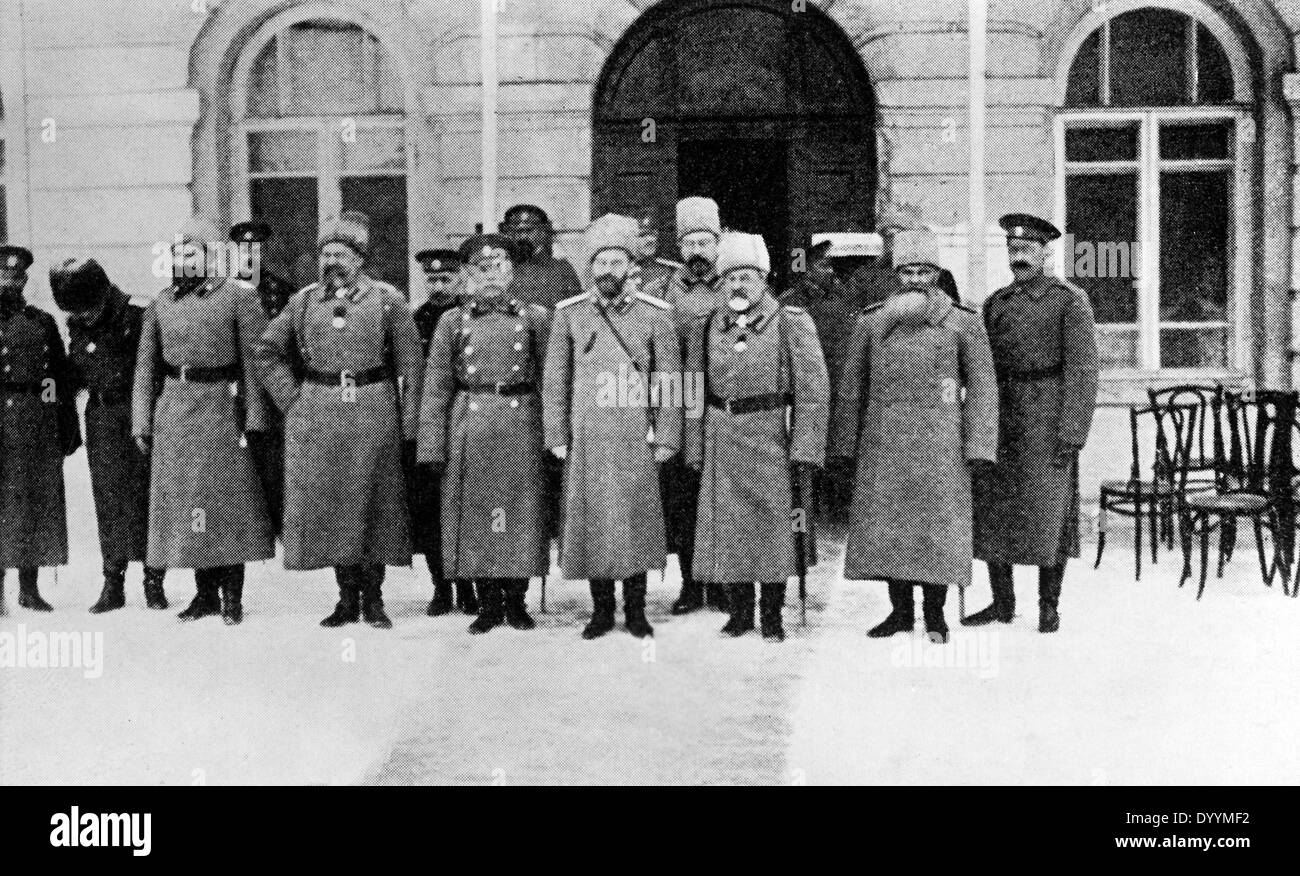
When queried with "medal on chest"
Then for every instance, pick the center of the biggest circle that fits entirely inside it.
(90, 348)
(340, 317)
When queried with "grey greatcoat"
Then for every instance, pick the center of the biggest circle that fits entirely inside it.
(613, 512)
(743, 528)
(345, 490)
(903, 414)
(206, 506)
(1045, 352)
(495, 504)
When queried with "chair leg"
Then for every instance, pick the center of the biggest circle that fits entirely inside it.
(1230, 538)
(1185, 522)
(1259, 547)
(1156, 534)
(1223, 536)
(1137, 538)
(1205, 555)
(1101, 533)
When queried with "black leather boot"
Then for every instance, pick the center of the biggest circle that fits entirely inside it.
(602, 614)
(771, 601)
(740, 603)
(903, 615)
(717, 596)
(348, 609)
(515, 592)
(113, 595)
(441, 603)
(933, 597)
(29, 595)
(1049, 598)
(1003, 607)
(491, 612)
(372, 597)
(634, 608)
(207, 598)
(154, 595)
(232, 595)
(465, 600)
(691, 598)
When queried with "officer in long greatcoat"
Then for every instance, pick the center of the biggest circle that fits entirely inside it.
(1045, 351)
(207, 511)
(692, 290)
(761, 362)
(917, 407)
(343, 361)
(445, 283)
(273, 292)
(604, 418)
(481, 424)
(38, 428)
(104, 336)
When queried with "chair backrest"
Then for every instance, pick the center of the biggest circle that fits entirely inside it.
(1259, 424)
(1176, 434)
(1205, 423)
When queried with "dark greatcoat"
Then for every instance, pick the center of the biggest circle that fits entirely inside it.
(1045, 352)
(423, 489)
(345, 488)
(743, 528)
(38, 428)
(903, 415)
(102, 351)
(495, 503)
(206, 505)
(274, 294)
(597, 403)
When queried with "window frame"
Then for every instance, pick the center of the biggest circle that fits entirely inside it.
(329, 169)
(1149, 167)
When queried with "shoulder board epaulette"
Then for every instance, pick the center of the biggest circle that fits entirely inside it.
(792, 308)
(657, 302)
(1068, 285)
(668, 263)
(571, 300)
(965, 307)
(310, 287)
(871, 307)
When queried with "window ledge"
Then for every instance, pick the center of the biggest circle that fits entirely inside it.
(1121, 388)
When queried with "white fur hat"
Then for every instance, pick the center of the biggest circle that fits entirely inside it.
(916, 247)
(611, 231)
(698, 214)
(740, 250)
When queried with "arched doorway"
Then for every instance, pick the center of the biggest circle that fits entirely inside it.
(767, 110)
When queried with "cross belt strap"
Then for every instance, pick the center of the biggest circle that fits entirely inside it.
(196, 374)
(523, 388)
(753, 404)
(364, 377)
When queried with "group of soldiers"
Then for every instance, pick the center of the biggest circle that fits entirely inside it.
(485, 423)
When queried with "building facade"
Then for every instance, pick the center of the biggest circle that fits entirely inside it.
(1159, 134)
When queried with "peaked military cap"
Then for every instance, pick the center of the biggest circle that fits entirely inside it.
(15, 258)
(1026, 227)
(435, 260)
(476, 244)
(252, 231)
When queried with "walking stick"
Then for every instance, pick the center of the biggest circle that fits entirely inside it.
(799, 529)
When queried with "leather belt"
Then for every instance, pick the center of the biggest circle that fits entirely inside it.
(1031, 375)
(28, 387)
(364, 377)
(498, 388)
(753, 404)
(198, 374)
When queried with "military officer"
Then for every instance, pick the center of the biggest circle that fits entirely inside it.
(38, 428)
(540, 278)
(692, 290)
(606, 348)
(104, 336)
(481, 424)
(653, 269)
(876, 280)
(445, 282)
(274, 293)
(918, 406)
(343, 361)
(207, 510)
(1045, 351)
(831, 303)
(761, 361)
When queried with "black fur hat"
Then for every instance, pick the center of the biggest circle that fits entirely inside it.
(79, 285)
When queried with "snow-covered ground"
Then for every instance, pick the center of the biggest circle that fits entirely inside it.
(1142, 685)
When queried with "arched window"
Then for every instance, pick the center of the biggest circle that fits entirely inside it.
(1154, 186)
(4, 208)
(319, 113)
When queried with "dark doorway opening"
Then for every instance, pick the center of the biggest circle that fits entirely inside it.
(748, 180)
